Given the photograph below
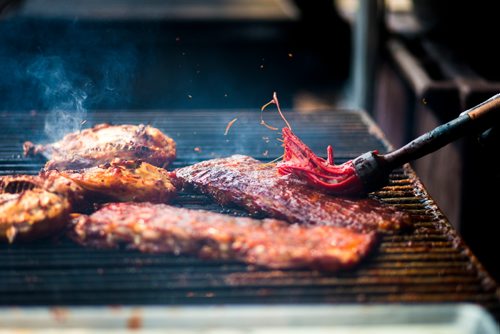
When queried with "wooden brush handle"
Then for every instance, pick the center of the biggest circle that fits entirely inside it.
(476, 119)
(485, 109)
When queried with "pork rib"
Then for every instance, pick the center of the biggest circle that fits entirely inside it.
(160, 228)
(257, 187)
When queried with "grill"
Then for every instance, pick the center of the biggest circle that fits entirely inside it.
(428, 264)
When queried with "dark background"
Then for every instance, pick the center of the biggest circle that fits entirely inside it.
(146, 62)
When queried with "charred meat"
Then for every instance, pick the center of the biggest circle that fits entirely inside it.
(125, 180)
(119, 180)
(159, 228)
(32, 214)
(104, 142)
(16, 184)
(79, 197)
(51, 181)
(257, 187)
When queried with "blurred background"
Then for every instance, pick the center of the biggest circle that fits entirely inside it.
(411, 65)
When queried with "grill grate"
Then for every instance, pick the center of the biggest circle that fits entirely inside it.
(429, 264)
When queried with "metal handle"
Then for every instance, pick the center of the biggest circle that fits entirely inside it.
(478, 118)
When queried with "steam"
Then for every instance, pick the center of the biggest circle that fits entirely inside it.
(63, 94)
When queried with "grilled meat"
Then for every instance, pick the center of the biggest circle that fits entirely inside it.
(55, 182)
(257, 187)
(15, 184)
(120, 180)
(34, 206)
(271, 243)
(51, 181)
(104, 142)
(32, 214)
(125, 180)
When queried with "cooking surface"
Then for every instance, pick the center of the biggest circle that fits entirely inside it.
(429, 264)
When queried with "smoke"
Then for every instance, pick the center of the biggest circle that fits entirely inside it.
(63, 93)
(67, 87)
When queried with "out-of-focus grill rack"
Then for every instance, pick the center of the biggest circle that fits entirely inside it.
(428, 264)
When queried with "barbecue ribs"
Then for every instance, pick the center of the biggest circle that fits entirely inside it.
(271, 243)
(104, 142)
(257, 187)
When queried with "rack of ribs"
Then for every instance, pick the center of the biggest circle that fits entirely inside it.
(160, 228)
(246, 182)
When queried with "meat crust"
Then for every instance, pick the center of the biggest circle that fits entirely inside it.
(15, 184)
(125, 180)
(159, 228)
(258, 188)
(32, 214)
(120, 180)
(51, 181)
(104, 142)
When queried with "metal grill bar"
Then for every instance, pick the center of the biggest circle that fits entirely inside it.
(428, 264)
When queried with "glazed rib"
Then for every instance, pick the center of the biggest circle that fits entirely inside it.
(258, 188)
(159, 228)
